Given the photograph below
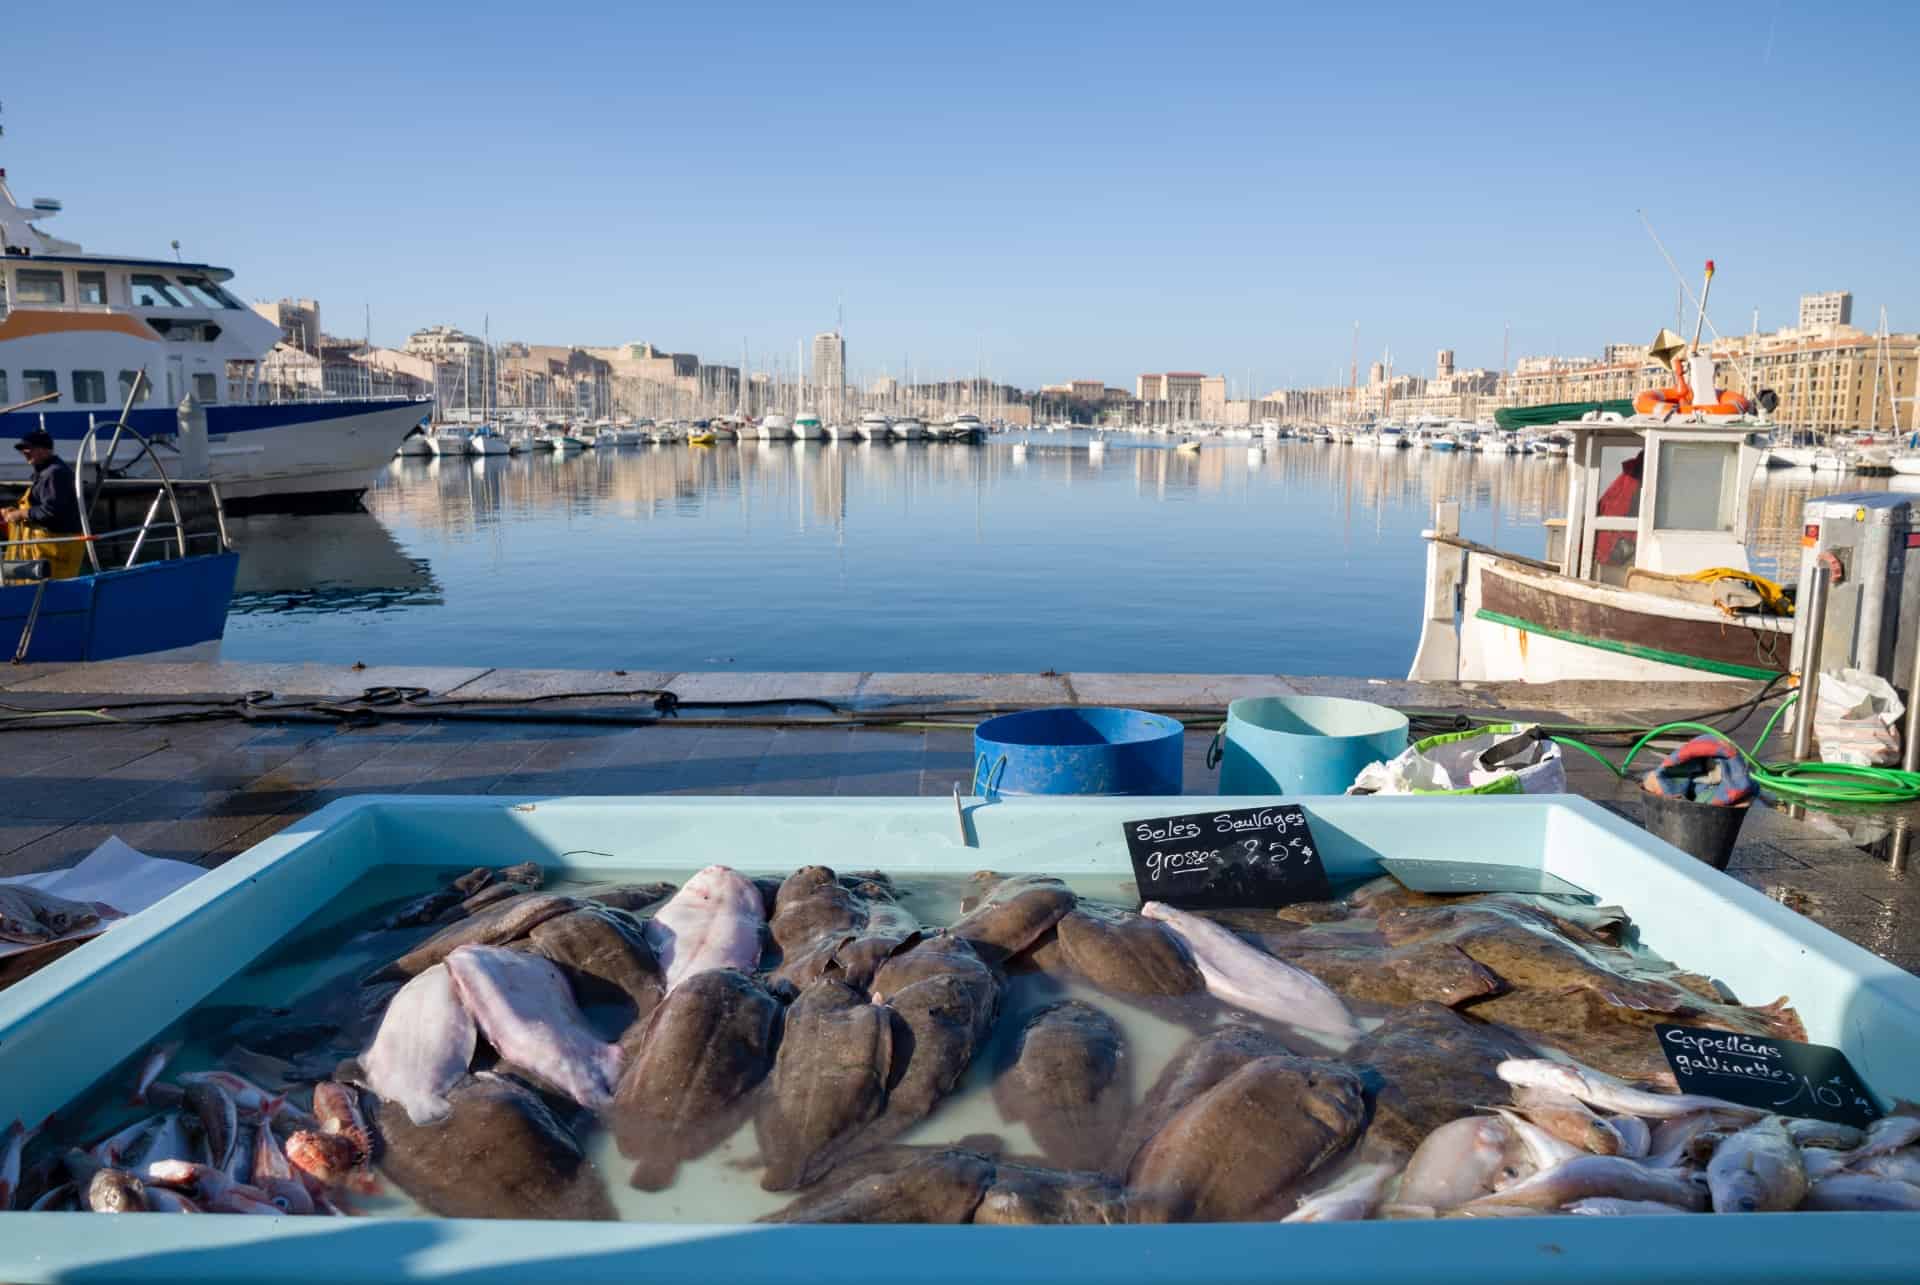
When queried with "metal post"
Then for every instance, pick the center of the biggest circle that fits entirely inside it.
(1910, 752)
(1815, 621)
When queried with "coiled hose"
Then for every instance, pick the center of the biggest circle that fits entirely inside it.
(1815, 783)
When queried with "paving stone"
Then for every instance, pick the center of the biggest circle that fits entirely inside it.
(1175, 691)
(964, 691)
(495, 684)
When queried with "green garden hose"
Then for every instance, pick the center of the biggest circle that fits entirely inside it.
(1818, 783)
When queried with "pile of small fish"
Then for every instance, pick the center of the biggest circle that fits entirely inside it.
(1384, 1055)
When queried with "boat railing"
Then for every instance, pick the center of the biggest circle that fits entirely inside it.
(107, 476)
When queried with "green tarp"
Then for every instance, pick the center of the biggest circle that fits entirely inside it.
(1557, 413)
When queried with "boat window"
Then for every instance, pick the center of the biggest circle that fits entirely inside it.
(3, 388)
(1697, 488)
(197, 288)
(3, 302)
(38, 383)
(127, 378)
(208, 293)
(90, 287)
(89, 386)
(154, 292)
(39, 285)
(205, 389)
(1619, 480)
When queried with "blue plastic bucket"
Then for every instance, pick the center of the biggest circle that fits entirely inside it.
(1071, 750)
(1305, 744)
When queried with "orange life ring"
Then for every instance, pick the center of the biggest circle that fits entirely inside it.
(1680, 400)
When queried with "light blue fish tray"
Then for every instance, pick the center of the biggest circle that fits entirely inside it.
(77, 1019)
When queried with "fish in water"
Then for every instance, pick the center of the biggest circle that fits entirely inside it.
(1124, 953)
(943, 1018)
(497, 925)
(1860, 1192)
(1247, 978)
(1590, 1176)
(1025, 1196)
(1351, 1197)
(424, 1046)
(274, 1174)
(896, 1185)
(1013, 914)
(249, 1099)
(691, 1067)
(150, 1067)
(1757, 1170)
(1460, 1161)
(829, 1079)
(1198, 1065)
(716, 920)
(1065, 1076)
(605, 958)
(500, 1153)
(1614, 1207)
(115, 1191)
(522, 1004)
(219, 1118)
(1604, 1091)
(13, 1144)
(1247, 1142)
(1429, 1062)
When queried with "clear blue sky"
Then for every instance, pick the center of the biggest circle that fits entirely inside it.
(1056, 190)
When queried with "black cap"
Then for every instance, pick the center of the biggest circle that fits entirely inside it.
(38, 437)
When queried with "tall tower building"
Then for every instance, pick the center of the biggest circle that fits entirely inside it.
(1834, 308)
(1443, 363)
(830, 363)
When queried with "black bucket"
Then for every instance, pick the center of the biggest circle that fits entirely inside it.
(1697, 829)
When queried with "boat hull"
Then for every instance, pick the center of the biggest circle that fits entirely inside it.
(1517, 623)
(158, 606)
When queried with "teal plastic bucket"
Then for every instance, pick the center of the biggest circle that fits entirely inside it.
(1305, 744)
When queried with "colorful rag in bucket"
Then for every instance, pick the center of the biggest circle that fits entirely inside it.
(1707, 769)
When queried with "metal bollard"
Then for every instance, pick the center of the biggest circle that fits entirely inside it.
(1815, 621)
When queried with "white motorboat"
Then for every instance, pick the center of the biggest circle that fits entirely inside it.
(966, 427)
(909, 428)
(86, 325)
(775, 428)
(873, 427)
(807, 426)
(414, 445)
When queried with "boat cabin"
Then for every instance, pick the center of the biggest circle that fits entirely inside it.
(1670, 500)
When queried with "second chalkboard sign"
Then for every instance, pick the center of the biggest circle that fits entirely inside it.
(1218, 860)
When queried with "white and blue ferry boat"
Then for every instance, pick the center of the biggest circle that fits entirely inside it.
(85, 325)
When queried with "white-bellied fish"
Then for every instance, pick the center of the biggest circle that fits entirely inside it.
(1248, 978)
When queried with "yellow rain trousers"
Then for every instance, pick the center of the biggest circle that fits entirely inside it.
(28, 543)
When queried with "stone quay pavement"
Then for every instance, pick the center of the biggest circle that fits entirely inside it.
(180, 761)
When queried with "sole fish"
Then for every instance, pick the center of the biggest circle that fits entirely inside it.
(1066, 1078)
(524, 1006)
(829, 1079)
(424, 1046)
(716, 920)
(1239, 975)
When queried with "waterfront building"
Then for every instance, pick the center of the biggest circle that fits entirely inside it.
(1833, 308)
(462, 368)
(830, 364)
(885, 387)
(1827, 376)
(1150, 388)
(298, 319)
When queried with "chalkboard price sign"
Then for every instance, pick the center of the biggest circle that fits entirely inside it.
(1220, 860)
(1782, 1076)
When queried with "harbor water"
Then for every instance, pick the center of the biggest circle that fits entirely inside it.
(1030, 552)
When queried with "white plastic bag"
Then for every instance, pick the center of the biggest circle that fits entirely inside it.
(1451, 764)
(1857, 719)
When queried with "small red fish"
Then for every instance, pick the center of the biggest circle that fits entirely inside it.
(248, 1098)
(156, 1061)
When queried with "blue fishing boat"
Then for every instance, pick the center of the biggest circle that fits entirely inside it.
(152, 587)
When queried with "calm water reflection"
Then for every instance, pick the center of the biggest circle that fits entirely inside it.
(1047, 552)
